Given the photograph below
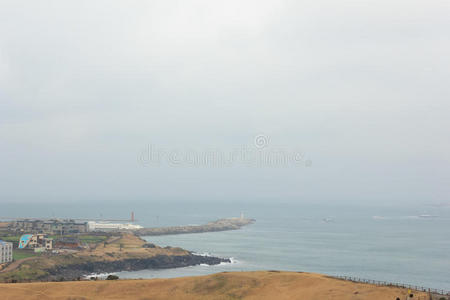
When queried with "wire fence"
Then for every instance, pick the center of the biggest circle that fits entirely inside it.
(396, 284)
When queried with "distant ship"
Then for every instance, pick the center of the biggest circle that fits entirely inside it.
(427, 216)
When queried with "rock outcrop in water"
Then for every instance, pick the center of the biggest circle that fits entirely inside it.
(219, 225)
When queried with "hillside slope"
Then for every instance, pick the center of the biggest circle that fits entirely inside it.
(238, 285)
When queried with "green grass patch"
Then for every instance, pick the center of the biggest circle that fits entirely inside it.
(92, 238)
(21, 254)
(84, 238)
(11, 238)
(24, 273)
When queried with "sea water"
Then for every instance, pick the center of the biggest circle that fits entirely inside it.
(398, 243)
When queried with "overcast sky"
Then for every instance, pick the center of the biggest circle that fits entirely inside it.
(361, 88)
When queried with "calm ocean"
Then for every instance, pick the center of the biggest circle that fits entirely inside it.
(408, 244)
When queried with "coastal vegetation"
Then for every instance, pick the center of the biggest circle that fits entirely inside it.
(19, 254)
(83, 238)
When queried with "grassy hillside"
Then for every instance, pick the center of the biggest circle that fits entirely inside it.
(240, 285)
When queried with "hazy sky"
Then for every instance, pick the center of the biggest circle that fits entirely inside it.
(361, 88)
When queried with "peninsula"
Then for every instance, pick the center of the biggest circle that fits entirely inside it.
(83, 253)
(118, 252)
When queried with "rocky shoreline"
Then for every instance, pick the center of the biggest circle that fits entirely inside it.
(123, 251)
(76, 271)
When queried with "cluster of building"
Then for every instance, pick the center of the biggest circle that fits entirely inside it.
(35, 234)
(60, 227)
(64, 227)
(6, 251)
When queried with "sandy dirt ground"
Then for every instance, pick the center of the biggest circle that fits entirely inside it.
(234, 285)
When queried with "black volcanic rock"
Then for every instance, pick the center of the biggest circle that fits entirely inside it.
(74, 271)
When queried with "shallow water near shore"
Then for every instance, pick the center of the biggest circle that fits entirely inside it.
(389, 243)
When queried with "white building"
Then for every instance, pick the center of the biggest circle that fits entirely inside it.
(6, 250)
(94, 226)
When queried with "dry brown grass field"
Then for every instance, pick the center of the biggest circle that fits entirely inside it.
(235, 285)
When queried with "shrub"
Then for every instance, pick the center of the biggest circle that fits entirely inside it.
(112, 277)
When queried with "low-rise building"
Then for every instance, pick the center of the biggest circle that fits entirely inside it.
(6, 252)
(49, 226)
(34, 241)
(102, 226)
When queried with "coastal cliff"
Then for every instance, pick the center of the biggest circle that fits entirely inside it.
(219, 225)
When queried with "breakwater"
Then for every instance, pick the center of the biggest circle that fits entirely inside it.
(219, 225)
